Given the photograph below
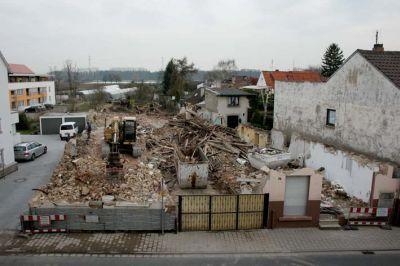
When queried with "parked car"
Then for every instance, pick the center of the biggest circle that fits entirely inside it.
(32, 109)
(35, 108)
(28, 150)
(48, 106)
(68, 130)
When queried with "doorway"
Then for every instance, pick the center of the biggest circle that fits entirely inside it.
(232, 121)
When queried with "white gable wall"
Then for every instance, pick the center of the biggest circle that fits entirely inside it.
(261, 81)
(367, 108)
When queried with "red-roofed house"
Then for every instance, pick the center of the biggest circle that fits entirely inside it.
(267, 78)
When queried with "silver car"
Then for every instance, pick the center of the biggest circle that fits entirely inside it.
(28, 150)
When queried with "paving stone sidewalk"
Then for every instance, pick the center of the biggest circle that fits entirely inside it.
(263, 241)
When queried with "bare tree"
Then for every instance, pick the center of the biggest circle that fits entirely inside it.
(72, 79)
(266, 95)
(223, 71)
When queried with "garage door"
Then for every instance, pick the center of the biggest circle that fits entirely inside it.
(296, 195)
(80, 121)
(50, 125)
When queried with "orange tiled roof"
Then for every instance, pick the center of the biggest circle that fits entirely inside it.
(295, 76)
(19, 69)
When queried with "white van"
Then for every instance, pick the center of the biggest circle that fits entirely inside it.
(68, 130)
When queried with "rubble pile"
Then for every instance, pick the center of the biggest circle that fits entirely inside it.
(221, 146)
(334, 195)
(82, 178)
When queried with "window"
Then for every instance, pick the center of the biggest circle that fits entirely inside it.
(20, 91)
(233, 101)
(330, 117)
(12, 92)
(66, 127)
(20, 103)
(13, 105)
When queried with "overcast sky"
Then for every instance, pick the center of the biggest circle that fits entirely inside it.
(139, 33)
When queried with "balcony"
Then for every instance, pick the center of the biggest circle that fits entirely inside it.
(31, 85)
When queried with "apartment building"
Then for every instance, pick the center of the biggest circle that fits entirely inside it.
(27, 88)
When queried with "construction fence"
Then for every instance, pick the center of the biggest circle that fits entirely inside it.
(222, 212)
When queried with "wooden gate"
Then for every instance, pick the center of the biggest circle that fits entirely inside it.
(222, 212)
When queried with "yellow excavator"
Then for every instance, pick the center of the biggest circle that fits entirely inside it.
(120, 135)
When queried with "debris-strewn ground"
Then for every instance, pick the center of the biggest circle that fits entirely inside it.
(181, 137)
(163, 139)
(334, 195)
(82, 178)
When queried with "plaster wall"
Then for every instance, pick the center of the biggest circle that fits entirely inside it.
(275, 186)
(6, 134)
(367, 108)
(240, 110)
(211, 101)
(253, 135)
(384, 183)
(344, 168)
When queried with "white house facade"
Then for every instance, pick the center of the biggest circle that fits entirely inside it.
(348, 125)
(7, 163)
(227, 107)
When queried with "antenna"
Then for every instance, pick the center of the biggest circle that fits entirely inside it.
(272, 64)
(376, 37)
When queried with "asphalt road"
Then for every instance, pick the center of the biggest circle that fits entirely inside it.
(351, 259)
(16, 188)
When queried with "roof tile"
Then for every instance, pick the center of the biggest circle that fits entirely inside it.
(388, 62)
(294, 76)
(19, 69)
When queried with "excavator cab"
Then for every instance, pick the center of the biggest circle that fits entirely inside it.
(129, 129)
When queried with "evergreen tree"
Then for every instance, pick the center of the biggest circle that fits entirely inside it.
(332, 60)
(168, 76)
(176, 76)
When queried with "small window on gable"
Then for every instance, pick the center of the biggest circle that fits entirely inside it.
(233, 101)
(331, 117)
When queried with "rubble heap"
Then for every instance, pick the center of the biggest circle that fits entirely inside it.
(334, 195)
(82, 178)
(221, 145)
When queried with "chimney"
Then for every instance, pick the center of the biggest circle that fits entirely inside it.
(378, 47)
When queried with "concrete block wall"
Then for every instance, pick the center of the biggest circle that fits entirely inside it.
(113, 218)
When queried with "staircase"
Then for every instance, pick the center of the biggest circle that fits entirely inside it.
(328, 222)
